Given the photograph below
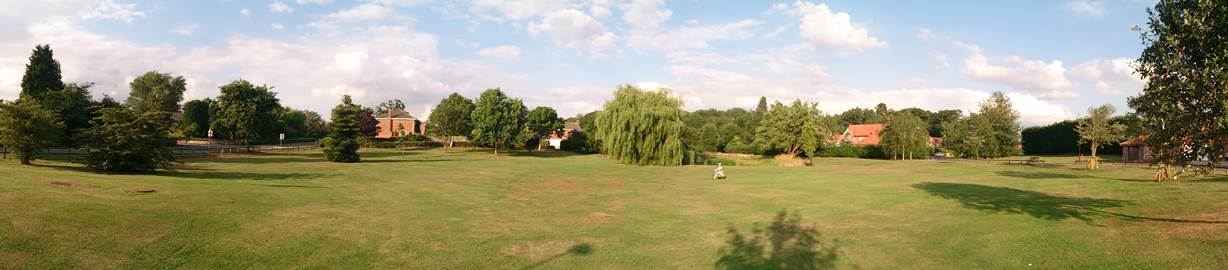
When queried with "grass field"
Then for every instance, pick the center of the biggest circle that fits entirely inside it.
(435, 210)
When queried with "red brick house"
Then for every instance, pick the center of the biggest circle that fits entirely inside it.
(861, 134)
(398, 123)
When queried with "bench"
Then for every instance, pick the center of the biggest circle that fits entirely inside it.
(1024, 161)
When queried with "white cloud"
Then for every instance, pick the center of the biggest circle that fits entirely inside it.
(1110, 76)
(185, 30)
(510, 52)
(1047, 78)
(109, 10)
(915, 81)
(599, 11)
(247, 13)
(313, 2)
(823, 28)
(357, 14)
(1032, 110)
(277, 26)
(279, 7)
(692, 37)
(575, 30)
(512, 10)
(1091, 9)
(646, 14)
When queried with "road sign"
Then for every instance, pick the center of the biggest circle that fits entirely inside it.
(211, 133)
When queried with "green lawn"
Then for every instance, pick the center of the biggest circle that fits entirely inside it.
(435, 210)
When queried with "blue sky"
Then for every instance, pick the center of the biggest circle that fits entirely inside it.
(1053, 58)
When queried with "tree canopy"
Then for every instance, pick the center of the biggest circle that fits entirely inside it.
(1182, 107)
(497, 119)
(791, 129)
(905, 136)
(541, 122)
(247, 112)
(26, 127)
(1096, 129)
(341, 145)
(122, 140)
(452, 117)
(641, 127)
(42, 73)
(196, 117)
(388, 105)
(154, 91)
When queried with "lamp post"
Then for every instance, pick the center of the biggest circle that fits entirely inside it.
(209, 147)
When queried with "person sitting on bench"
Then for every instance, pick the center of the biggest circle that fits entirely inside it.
(719, 172)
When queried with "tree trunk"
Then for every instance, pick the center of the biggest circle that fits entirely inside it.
(25, 158)
(497, 148)
(1094, 163)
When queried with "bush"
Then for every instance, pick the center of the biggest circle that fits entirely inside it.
(123, 141)
(405, 144)
(579, 142)
(340, 149)
(846, 151)
(741, 147)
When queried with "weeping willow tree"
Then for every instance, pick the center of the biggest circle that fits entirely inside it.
(641, 127)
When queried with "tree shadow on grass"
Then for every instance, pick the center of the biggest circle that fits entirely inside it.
(576, 250)
(1037, 175)
(219, 175)
(1037, 204)
(1015, 201)
(785, 244)
(540, 154)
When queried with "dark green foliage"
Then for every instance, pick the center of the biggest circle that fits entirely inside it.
(452, 117)
(72, 105)
(302, 124)
(641, 127)
(42, 73)
(26, 127)
(1056, 138)
(845, 151)
(713, 130)
(196, 118)
(1182, 108)
(588, 123)
(341, 145)
(247, 112)
(497, 119)
(367, 122)
(856, 116)
(940, 118)
(578, 142)
(156, 91)
(785, 244)
(1004, 122)
(743, 146)
(791, 129)
(122, 140)
(906, 136)
(706, 139)
(541, 122)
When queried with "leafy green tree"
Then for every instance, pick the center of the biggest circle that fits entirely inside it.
(42, 73)
(26, 127)
(497, 119)
(905, 136)
(1096, 130)
(196, 118)
(155, 91)
(388, 105)
(705, 139)
(970, 137)
(856, 116)
(588, 124)
(316, 127)
(1182, 108)
(641, 127)
(1056, 138)
(341, 145)
(247, 112)
(541, 122)
(295, 125)
(452, 117)
(1004, 120)
(939, 118)
(791, 129)
(122, 140)
(72, 105)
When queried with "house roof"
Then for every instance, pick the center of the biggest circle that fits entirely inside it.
(863, 134)
(572, 125)
(1140, 140)
(396, 113)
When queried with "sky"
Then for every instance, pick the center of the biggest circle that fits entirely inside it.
(1054, 59)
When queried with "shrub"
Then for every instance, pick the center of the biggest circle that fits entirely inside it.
(123, 141)
(579, 142)
(847, 151)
